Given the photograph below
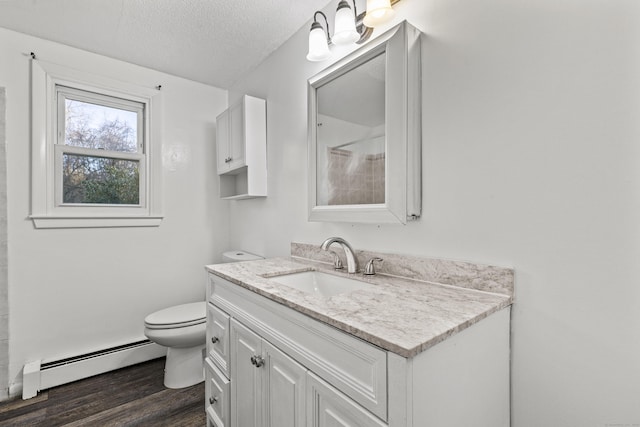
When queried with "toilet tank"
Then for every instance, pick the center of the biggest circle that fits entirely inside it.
(235, 256)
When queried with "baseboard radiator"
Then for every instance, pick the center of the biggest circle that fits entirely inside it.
(38, 376)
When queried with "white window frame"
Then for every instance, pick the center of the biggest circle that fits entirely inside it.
(47, 209)
(64, 93)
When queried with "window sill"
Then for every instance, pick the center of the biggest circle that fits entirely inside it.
(95, 222)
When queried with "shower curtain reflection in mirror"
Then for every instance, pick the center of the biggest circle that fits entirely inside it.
(354, 173)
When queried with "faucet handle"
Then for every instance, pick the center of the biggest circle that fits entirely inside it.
(337, 262)
(369, 268)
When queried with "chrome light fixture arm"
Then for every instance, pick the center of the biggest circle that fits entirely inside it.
(364, 31)
(316, 24)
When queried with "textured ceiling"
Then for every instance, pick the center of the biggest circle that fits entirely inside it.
(210, 41)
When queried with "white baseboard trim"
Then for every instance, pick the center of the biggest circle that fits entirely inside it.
(39, 376)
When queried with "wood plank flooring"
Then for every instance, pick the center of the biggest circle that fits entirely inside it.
(132, 396)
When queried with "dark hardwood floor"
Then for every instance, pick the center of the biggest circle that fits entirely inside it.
(132, 396)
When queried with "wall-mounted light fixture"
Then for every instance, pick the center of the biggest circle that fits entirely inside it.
(378, 12)
(350, 27)
(319, 41)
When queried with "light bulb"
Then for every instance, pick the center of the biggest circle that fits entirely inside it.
(318, 46)
(378, 12)
(345, 25)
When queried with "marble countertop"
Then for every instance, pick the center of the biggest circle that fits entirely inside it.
(404, 316)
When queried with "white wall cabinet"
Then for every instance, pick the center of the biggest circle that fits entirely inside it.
(241, 140)
(287, 369)
(223, 130)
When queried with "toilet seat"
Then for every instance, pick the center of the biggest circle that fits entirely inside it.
(178, 316)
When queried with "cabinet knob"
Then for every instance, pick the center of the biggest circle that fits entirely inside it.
(212, 400)
(257, 361)
(228, 159)
(214, 340)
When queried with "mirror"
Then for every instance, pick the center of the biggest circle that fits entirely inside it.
(364, 133)
(350, 148)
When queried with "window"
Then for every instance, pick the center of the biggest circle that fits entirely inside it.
(93, 151)
(99, 153)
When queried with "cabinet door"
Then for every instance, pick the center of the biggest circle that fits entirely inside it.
(236, 137)
(217, 396)
(218, 337)
(327, 407)
(246, 377)
(222, 141)
(284, 389)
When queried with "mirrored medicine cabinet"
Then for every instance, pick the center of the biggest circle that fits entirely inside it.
(365, 133)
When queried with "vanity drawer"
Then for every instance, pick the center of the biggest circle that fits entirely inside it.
(327, 406)
(217, 394)
(218, 337)
(354, 367)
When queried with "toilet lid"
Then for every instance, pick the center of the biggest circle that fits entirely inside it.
(178, 316)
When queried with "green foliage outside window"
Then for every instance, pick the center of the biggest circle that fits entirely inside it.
(99, 179)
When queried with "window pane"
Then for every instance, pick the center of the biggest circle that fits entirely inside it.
(102, 180)
(97, 126)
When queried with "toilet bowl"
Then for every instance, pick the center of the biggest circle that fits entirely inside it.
(182, 329)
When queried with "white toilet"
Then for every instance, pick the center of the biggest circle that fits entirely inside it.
(182, 329)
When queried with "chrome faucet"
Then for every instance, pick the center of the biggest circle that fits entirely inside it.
(352, 261)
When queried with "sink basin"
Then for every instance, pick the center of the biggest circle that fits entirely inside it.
(321, 284)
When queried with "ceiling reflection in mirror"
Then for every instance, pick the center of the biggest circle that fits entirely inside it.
(351, 137)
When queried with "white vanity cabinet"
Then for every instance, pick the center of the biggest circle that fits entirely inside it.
(218, 337)
(288, 369)
(268, 386)
(326, 406)
(217, 405)
(241, 140)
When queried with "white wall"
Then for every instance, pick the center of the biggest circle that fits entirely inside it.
(77, 290)
(531, 159)
(4, 294)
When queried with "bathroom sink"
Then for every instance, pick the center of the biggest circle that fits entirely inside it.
(321, 284)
